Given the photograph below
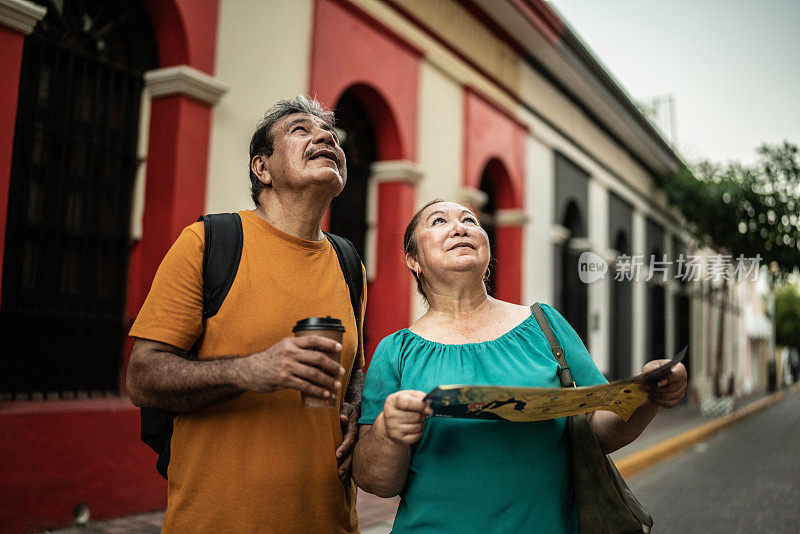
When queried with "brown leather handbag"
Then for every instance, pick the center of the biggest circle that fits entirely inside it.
(604, 501)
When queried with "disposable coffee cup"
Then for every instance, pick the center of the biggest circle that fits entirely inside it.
(326, 327)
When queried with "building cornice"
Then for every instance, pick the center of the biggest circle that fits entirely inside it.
(403, 171)
(553, 51)
(559, 234)
(510, 217)
(472, 197)
(611, 256)
(581, 244)
(184, 80)
(21, 15)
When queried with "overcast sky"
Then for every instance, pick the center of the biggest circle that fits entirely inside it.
(732, 66)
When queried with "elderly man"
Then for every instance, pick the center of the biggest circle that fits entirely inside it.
(246, 456)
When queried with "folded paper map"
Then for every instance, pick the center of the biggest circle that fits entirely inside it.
(502, 403)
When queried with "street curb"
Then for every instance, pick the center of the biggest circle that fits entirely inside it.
(644, 459)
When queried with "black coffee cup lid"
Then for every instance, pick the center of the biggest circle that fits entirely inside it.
(319, 323)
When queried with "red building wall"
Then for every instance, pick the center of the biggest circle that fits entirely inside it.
(60, 453)
(57, 454)
(11, 42)
(351, 49)
(493, 135)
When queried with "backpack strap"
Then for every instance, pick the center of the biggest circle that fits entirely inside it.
(156, 433)
(350, 262)
(224, 239)
(222, 253)
(563, 372)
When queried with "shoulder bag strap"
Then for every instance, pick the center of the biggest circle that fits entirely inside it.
(563, 373)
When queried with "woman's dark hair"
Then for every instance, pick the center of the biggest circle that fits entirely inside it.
(410, 243)
(263, 140)
(410, 240)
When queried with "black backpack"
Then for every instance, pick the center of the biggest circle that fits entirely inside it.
(223, 252)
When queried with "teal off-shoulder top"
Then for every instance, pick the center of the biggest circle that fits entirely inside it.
(476, 475)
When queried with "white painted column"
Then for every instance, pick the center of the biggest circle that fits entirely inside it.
(537, 259)
(639, 291)
(599, 300)
(703, 336)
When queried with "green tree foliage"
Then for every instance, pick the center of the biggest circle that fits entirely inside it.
(787, 317)
(746, 210)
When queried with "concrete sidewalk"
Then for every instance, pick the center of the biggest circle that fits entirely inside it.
(671, 432)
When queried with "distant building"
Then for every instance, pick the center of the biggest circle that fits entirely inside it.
(125, 121)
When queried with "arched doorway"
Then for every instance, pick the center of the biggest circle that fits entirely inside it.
(371, 146)
(487, 217)
(351, 52)
(73, 167)
(505, 237)
(574, 294)
(621, 296)
(348, 212)
(489, 184)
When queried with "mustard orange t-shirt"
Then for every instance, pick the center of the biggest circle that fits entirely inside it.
(257, 462)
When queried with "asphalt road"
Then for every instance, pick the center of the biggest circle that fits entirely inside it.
(745, 479)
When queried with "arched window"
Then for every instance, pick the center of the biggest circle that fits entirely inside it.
(656, 292)
(62, 318)
(621, 319)
(656, 316)
(574, 294)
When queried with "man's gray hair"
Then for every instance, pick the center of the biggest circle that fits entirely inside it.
(262, 142)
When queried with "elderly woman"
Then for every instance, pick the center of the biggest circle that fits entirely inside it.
(458, 475)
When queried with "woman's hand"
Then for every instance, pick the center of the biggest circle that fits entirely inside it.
(383, 452)
(613, 432)
(670, 389)
(404, 414)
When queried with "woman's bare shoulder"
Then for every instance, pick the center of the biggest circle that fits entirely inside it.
(420, 325)
(516, 311)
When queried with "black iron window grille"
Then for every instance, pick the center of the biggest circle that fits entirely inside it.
(62, 313)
